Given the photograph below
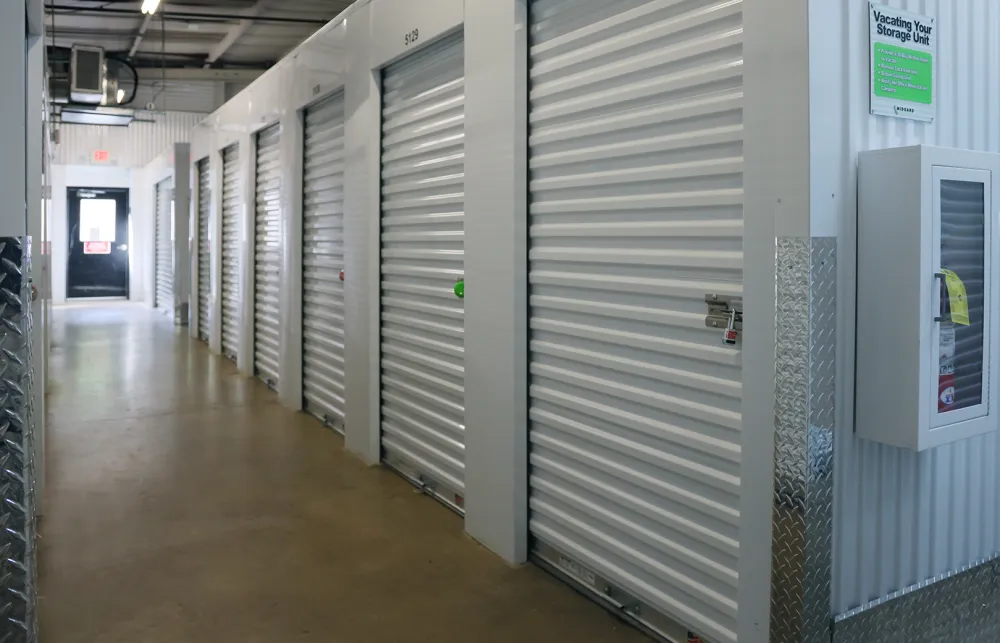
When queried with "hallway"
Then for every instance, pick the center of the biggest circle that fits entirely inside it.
(184, 504)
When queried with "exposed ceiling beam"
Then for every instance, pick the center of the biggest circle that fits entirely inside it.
(235, 32)
(192, 75)
(138, 36)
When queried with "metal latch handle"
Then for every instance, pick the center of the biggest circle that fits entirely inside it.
(942, 296)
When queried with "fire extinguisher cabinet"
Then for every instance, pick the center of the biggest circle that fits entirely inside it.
(927, 324)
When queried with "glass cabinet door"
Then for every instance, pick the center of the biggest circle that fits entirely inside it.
(961, 301)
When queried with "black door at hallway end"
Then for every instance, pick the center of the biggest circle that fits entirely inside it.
(97, 265)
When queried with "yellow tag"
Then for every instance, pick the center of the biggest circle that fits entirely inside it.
(958, 299)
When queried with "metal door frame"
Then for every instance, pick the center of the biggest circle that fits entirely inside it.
(128, 218)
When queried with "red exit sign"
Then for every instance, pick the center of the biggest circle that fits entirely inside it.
(101, 156)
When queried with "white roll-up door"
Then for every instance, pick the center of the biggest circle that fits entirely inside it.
(164, 295)
(267, 256)
(636, 203)
(423, 194)
(204, 250)
(230, 295)
(323, 261)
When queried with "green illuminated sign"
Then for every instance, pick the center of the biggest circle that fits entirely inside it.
(904, 74)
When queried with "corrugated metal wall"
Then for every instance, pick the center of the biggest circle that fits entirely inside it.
(132, 146)
(903, 517)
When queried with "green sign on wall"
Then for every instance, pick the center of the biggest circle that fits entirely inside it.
(903, 48)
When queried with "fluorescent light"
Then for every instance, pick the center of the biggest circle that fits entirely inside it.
(121, 95)
(103, 116)
(150, 6)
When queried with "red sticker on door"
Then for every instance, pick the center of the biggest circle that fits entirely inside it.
(96, 247)
(946, 369)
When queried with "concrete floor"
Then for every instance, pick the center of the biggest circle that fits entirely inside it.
(185, 505)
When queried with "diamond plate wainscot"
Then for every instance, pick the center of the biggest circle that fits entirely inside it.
(805, 346)
(17, 540)
(963, 605)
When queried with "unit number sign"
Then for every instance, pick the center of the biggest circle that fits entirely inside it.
(411, 37)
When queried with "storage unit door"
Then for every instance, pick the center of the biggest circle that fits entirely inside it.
(423, 194)
(635, 215)
(164, 295)
(267, 256)
(323, 261)
(204, 250)
(231, 251)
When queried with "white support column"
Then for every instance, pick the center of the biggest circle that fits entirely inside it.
(194, 323)
(361, 242)
(776, 204)
(33, 164)
(496, 280)
(13, 218)
(215, 224)
(182, 232)
(248, 170)
(290, 382)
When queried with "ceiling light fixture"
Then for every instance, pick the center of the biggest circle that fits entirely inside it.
(121, 95)
(150, 6)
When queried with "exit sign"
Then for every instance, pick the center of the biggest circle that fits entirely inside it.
(101, 156)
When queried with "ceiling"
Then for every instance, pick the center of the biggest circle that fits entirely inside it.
(194, 53)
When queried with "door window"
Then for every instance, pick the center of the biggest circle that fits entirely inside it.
(98, 219)
(961, 302)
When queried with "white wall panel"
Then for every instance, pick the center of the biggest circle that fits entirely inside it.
(900, 517)
(13, 53)
(496, 327)
(132, 146)
(362, 141)
(403, 26)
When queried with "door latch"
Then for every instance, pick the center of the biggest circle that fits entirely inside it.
(725, 313)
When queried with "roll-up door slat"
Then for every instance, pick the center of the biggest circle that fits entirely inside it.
(231, 201)
(164, 291)
(267, 255)
(423, 213)
(636, 196)
(204, 250)
(322, 262)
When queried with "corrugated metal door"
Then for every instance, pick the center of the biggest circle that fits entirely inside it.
(423, 194)
(636, 191)
(204, 249)
(267, 256)
(231, 251)
(323, 261)
(164, 295)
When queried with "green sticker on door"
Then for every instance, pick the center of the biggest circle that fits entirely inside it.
(460, 289)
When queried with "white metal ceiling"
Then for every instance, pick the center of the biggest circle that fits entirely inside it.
(114, 26)
(189, 33)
